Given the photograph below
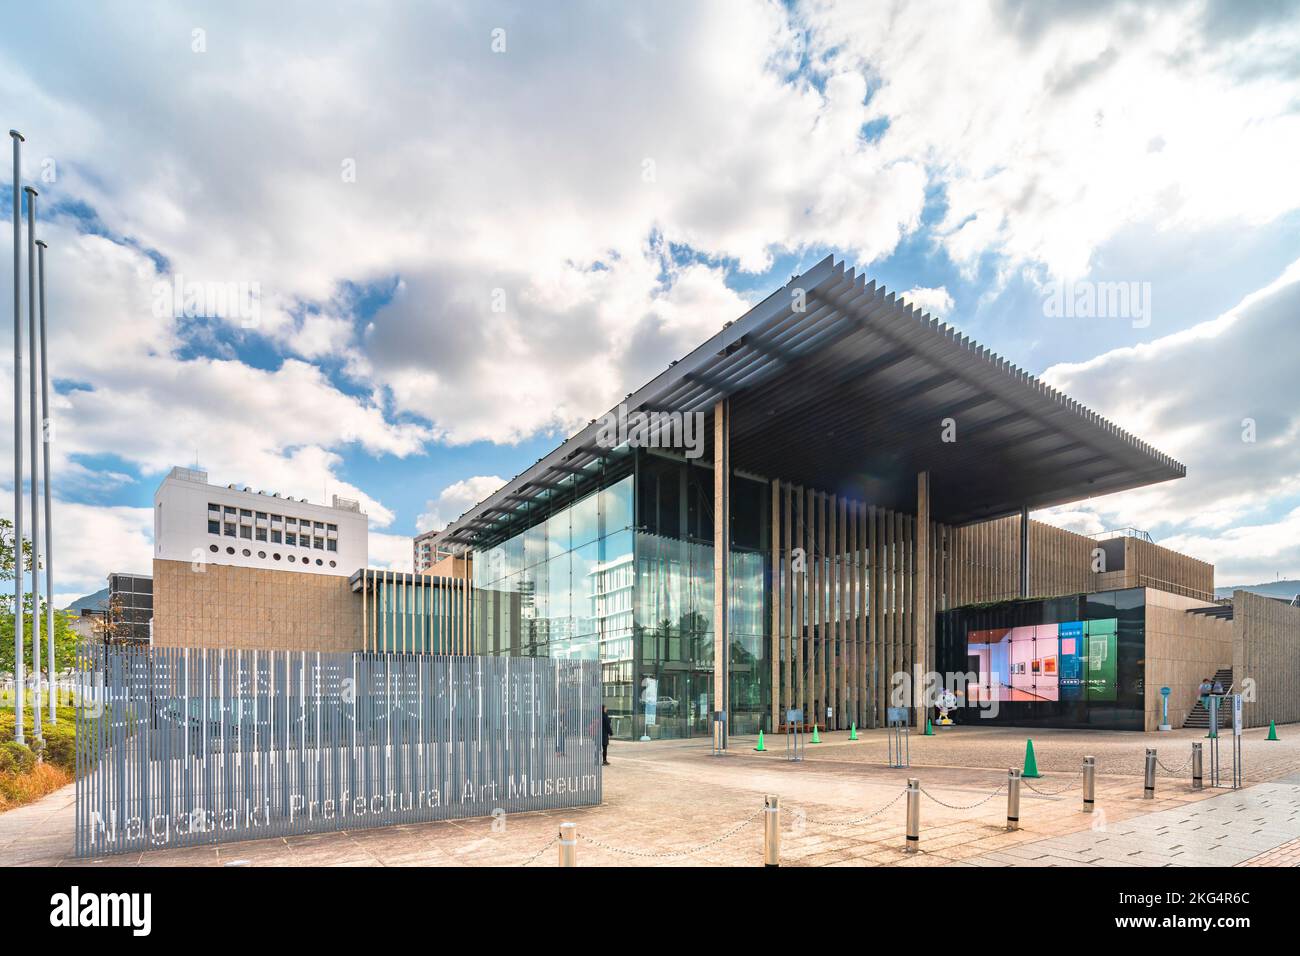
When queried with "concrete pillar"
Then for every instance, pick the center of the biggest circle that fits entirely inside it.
(722, 560)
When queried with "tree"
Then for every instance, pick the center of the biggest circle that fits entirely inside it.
(65, 638)
(110, 626)
(7, 551)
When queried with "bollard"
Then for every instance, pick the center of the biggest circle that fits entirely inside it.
(1149, 785)
(1197, 784)
(1089, 783)
(568, 844)
(772, 830)
(1013, 799)
(913, 815)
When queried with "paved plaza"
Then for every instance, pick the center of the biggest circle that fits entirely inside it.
(671, 803)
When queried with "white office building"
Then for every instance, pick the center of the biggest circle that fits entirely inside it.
(198, 522)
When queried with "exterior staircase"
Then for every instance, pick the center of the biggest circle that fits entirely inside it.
(1199, 717)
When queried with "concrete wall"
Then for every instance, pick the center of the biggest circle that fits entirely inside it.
(181, 532)
(1266, 650)
(224, 606)
(1181, 650)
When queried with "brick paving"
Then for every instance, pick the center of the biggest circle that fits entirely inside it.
(1288, 854)
(670, 803)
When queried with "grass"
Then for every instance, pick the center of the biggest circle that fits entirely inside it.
(32, 770)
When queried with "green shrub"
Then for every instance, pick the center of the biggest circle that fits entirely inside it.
(61, 747)
(16, 758)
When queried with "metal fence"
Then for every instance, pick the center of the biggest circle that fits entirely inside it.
(188, 746)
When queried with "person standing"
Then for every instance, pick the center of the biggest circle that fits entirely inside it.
(606, 731)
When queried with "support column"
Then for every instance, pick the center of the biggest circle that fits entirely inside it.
(722, 559)
(924, 606)
(1024, 552)
(774, 531)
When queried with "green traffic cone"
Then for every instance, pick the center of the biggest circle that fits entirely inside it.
(853, 731)
(1031, 765)
(815, 738)
(929, 728)
(1272, 730)
(760, 748)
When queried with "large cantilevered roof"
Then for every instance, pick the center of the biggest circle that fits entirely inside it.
(838, 384)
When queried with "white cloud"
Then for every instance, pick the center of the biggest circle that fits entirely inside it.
(391, 551)
(455, 500)
(937, 302)
(1053, 125)
(1199, 395)
(90, 542)
(612, 216)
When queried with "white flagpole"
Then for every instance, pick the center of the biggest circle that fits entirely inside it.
(36, 462)
(18, 444)
(47, 433)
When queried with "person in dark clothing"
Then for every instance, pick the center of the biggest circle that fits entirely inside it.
(606, 731)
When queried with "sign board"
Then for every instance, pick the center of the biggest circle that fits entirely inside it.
(794, 715)
(896, 715)
(1236, 715)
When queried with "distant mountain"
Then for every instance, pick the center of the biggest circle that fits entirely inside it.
(1273, 589)
(91, 602)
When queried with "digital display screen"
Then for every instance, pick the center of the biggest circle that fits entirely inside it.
(1070, 661)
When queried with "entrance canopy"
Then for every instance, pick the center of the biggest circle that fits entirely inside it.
(837, 384)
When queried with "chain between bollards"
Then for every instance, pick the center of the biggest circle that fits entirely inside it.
(1089, 783)
(1013, 799)
(771, 830)
(1149, 784)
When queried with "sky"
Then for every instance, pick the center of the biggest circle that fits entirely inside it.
(453, 233)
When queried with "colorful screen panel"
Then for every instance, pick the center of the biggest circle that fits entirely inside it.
(1074, 660)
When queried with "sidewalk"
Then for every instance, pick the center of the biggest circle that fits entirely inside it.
(673, 804)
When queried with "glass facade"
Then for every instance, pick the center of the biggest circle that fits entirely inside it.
(621, 571)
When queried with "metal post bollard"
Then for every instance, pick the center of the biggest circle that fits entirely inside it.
(1149, 784)
(1089, 783)
(568, 844)
(1013, 799)
(1197, 782)
(913, 815)
(772, 830)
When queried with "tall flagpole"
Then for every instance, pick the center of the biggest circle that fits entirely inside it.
(47, 430)
(18, 445)
(32, 332)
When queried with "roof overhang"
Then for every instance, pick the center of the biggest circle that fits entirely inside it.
(837, 384)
